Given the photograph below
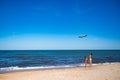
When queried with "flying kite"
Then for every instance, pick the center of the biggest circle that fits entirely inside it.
(82, 36)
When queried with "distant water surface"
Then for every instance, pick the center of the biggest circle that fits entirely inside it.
(21, 59)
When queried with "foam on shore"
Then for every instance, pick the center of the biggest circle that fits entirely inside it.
(17, 68)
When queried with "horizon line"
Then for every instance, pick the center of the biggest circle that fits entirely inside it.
(52, 49)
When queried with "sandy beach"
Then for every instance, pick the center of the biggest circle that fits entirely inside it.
(96, 72)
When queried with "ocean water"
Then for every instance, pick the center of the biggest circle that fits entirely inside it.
(12, 60)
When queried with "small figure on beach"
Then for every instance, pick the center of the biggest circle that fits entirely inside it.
(85, 61)
(90, 59)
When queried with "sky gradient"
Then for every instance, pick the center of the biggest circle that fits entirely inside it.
(56, 24)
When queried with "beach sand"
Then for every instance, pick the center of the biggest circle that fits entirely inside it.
(96, 72)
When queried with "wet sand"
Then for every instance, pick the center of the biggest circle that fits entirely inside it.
(96, 72)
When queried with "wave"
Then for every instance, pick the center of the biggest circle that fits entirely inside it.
(17, 68)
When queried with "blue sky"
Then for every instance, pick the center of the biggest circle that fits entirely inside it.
(56, 24)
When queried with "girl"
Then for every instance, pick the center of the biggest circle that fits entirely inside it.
(85, 61)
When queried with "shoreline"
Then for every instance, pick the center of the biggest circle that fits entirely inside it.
(95, 72)
(21, 69)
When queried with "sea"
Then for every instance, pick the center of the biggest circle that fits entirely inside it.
(18, 60)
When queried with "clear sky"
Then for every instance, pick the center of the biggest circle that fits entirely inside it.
(56, 24)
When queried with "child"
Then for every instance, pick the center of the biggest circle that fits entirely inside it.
(90, 59)
(85, 61)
